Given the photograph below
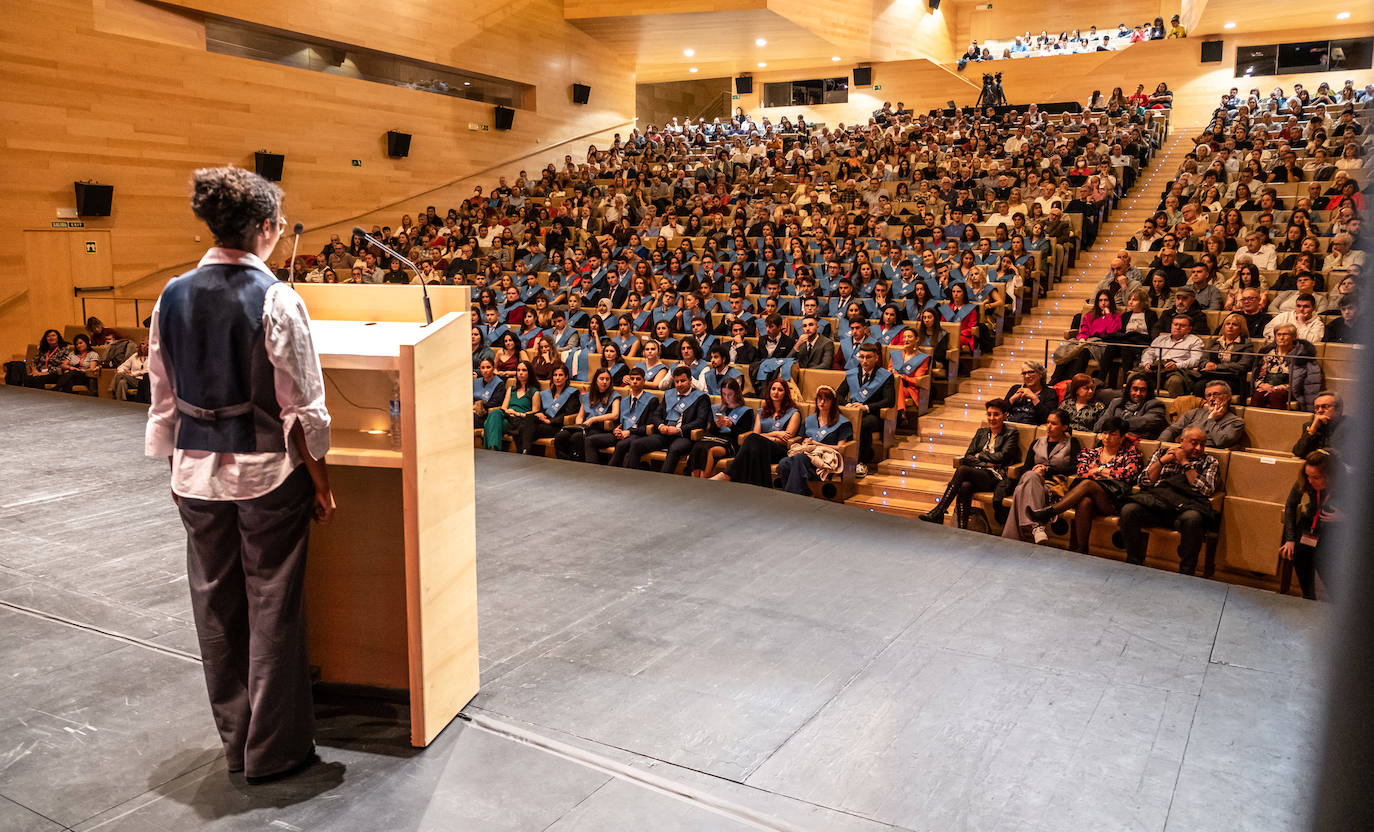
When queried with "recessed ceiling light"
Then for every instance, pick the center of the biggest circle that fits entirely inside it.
(692, 69)
(1343, 16)
(1230, 25)
(760, 42)
(834, 57)
(689, 52)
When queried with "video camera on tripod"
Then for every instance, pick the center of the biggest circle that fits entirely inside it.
(992, 94)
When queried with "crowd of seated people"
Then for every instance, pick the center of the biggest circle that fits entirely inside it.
(94, 357)
(1073, 42)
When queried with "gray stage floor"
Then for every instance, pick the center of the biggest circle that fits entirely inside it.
(658, 654)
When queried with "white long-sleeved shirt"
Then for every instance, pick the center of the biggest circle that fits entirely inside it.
(297, 380)
(1186, 352)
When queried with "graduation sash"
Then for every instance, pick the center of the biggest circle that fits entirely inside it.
(630, 416)
(491, 333)
(642, 318)
(550, 404)
(590, 410)
(885, 336)
(651, 374)
(714, 380)
(783, 366)
(850, 351)
(949, 313)
(816, 433)
(707, 342)
(615, 369)
(773, 424)
(561, 341)
(861, 395)
(625, 344)
(579, 362)
(733, 415)
(526, 339)
(483, 390)
(669, 314)
(910, 365)
(677, 405)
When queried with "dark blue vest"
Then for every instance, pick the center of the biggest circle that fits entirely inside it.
(211, 339)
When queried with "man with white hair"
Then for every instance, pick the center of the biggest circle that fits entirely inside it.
(1343, 256)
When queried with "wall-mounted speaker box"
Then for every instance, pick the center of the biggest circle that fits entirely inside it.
(744, 85)
(1211, 51)
(505, 117)
(268, 165)
(581, 93)
(397, 144)
(863, 76)
(935, 5)
(93, 200)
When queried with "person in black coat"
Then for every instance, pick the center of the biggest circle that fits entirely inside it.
(552, 407)
(738, 350)
(1144, 415)
(639, 411)
(1032, 401)
(983, 465)
(873, 389)
(685, 409)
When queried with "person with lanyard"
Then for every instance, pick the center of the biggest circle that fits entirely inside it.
(873, 390)
(730, 419)
(47, 364)
(487, 388)
(552, 409)
(600, 409)
(718, 370)
(684, 409)
(825, 426)
(909, 366)
(982, 466)
(1049, 462)
(238, 411)
(1309, 522)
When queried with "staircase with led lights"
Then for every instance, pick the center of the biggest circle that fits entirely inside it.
(914, 475)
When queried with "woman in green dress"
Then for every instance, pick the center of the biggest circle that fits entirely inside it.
(520, 393)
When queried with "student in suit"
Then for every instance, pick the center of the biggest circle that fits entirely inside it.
(813, 350)
(685, 409)
(983, 465)
(639, 410)
(737, 350)
(873, 389)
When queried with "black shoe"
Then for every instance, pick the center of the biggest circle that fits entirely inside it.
(1041, 515)
(933, 517)
(304, 763)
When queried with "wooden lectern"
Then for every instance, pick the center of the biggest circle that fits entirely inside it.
(391, 583)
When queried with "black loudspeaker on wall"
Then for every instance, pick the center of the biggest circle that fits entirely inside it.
(93, 200)
(505, 117)
(397, 144)
(268, 165)
(744, 85)
(581, 93)
(935, 5)
(1211, 51)
(863, 76)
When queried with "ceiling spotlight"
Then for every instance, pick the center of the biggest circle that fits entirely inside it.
(1230, 25)
(760, 42)
(689, 52)
(1343, 16)
(692, 69)
(762, 64)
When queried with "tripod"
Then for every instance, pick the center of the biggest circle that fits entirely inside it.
(992, 94)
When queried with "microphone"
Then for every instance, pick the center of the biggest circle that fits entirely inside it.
(359, 232)
(291, 269)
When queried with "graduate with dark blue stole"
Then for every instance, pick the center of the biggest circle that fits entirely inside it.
(871, 387)
(849, 344)
(488, 389)
(600, 409)
(552, 408)
(825, 426)
(730, 420)
(638, 411)
(718, 370)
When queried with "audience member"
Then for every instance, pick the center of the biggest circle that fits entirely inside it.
(1327, 428)
(983, 465)
(1310, 521)
(1103, 478)
(1045, 471)
(1144, 415)
(1175, 493)
(1220, 425)
(815, 456)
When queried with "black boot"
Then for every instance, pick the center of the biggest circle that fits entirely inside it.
(937, 514)
(961, 513)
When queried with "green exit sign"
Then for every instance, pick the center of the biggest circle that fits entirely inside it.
(357, 163)
(734, 97)
(877, 87)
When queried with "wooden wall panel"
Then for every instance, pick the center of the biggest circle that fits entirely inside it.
(141, 113)
(1009, 18)
(921, 84)
(706, 97)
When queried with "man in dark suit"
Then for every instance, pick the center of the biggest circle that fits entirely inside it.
(639, 411)
(738, 350)
(685, 409)
(813, 351)
(872, 389)
(774, 343)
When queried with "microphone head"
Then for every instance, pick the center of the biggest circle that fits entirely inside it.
(358, 231)
(299, 227)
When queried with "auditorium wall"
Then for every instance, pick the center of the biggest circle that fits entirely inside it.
(124, 93)
(706, 98)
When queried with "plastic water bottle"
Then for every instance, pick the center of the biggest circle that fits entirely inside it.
(395, 414)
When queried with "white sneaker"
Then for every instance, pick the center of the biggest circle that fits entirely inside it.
(1038, 534)
(860, 471)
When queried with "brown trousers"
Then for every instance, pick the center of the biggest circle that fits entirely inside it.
(246, 564)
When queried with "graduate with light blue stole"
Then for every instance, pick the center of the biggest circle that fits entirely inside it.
(796, 470)
(849, 345)
(487, 387)
(718, 369)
